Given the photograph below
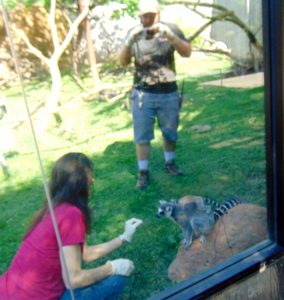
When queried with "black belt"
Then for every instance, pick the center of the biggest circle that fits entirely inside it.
(158, 88)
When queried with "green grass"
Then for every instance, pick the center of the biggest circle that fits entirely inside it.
(228, 160)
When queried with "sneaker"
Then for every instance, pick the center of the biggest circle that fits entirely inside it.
(172, 168)
(143, 179)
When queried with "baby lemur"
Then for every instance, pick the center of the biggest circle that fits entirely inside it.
(196, 217)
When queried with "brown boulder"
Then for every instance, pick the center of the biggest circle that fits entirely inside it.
(243, 227)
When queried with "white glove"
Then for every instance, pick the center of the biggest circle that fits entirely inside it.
(134, 35)
(130, 228)
(165, 31)
(121, 266)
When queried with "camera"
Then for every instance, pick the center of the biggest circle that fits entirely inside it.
(149, 33)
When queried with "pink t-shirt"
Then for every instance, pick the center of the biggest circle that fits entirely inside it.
(35, 272)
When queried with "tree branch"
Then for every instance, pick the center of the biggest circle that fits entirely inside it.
(51, 19)
(195, 4)
(215, 51)
(226, 15)
(252, 38)
(212, 20)
(32, 49)
(74, 27)
(201, 14)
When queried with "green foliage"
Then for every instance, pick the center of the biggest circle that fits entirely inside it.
(131, 6)
(27, 3)
(227, 160)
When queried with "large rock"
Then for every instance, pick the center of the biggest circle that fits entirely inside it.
(243, 227)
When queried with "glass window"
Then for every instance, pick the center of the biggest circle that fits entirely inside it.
(230, 149)
(246, 262)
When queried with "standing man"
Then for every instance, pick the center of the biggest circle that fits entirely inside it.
(155, 92)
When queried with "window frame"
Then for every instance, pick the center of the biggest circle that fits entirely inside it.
(249, 261)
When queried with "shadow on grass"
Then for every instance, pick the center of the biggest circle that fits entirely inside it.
(17, 206)
(226, 161)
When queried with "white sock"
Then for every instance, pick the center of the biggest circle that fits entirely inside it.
(143, 164)
(169, 155)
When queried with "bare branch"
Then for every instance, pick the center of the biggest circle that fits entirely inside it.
(226, 15)
(32, 49)
(212, 20)
(52, 24)
(252, 38)
(195, 4)
(73, 29)
(201, 14)
(215, 51)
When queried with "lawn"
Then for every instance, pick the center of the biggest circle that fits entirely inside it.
(227, 160)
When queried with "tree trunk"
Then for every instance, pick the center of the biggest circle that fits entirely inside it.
(90, 48)
(92, 55)
(52, 102)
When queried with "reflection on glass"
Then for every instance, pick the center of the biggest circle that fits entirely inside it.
(221, 149)
(223, 124)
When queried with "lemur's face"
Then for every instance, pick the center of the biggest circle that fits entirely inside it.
(166, 208)
(3, 111)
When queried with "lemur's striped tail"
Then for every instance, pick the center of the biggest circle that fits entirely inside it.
(223, 208)
(207, 201)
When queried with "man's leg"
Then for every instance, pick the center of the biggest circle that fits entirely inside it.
(143, 115)
(143, 155)
(170, 156)
(168, 118)
(169, 150)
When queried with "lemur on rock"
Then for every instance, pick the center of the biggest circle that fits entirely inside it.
(196, 218)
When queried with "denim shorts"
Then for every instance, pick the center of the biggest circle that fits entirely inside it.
(145, 107)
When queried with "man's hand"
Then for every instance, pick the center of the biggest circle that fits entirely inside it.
(165, 31)
(130, 228)
(134, 35)
(121, 266)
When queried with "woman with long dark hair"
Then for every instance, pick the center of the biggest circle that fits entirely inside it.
(37, 271)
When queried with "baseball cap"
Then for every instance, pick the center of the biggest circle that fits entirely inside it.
(148, 6)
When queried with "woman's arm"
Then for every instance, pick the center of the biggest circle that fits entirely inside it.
(91, 253)
(78, 276)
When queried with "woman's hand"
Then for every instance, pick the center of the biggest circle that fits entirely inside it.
(121, 266)
(130, 228)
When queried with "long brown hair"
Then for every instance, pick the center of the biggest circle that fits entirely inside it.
(68, 184)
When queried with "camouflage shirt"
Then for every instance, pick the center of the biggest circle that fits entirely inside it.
(154, 61)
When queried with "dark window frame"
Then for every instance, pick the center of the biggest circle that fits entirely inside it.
(247, 262)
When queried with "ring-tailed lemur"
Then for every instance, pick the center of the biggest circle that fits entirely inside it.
(196, 218)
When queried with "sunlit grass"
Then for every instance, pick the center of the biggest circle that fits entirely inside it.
(227, 160)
